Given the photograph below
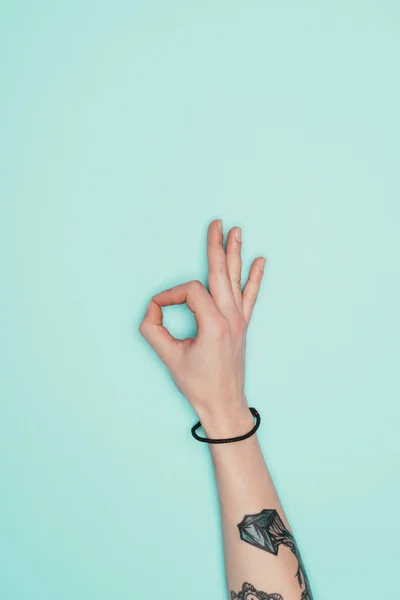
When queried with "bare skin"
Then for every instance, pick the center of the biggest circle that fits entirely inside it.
(209, 370)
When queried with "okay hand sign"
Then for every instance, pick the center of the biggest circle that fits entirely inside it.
(209, 368)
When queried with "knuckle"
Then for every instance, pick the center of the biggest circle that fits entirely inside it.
(220, 328)
(217, 269)
(196, 285)
(142, 328)
(238, 324)
(237, 281)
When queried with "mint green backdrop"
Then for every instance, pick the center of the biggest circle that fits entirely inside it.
(126, 127)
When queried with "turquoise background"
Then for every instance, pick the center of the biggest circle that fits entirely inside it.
(126, 127)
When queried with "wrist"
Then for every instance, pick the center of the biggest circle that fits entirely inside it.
(227, 423)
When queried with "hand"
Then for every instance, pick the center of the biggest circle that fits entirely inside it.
(209, 368)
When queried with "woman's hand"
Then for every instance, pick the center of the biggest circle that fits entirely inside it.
(209, 368)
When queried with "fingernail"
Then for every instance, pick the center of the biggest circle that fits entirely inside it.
(148, 307)
(262, 264)
(238, 234)
(219, 223)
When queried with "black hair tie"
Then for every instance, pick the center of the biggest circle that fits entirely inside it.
(240, 438)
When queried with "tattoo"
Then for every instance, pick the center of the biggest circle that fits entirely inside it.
(249, 592)
(267, 532)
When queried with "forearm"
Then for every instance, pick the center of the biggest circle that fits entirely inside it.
(245, 488)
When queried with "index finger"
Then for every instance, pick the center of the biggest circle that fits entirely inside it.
(195, 295)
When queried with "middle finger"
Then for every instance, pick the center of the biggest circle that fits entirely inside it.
(218, 276)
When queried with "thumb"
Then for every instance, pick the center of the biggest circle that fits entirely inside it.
(153, 331)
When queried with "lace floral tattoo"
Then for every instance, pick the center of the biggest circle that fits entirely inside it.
(249, 592)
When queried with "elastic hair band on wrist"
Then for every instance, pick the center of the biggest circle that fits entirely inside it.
(239, 438)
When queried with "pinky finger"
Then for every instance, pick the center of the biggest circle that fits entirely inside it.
(252, 287)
